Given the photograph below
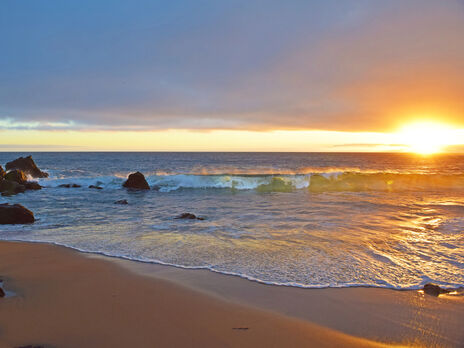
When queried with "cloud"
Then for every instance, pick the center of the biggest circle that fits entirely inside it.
(258, 65)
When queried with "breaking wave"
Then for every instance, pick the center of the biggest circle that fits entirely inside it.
(315, 182)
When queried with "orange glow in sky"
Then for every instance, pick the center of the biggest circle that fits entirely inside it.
(428, 137)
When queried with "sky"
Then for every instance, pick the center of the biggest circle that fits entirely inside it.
(207, 75)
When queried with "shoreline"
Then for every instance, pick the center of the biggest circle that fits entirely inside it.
(355, 316)
(116, 258)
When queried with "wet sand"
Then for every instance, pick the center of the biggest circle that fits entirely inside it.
(64, 298)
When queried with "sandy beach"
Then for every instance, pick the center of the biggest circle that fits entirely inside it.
(63, 298)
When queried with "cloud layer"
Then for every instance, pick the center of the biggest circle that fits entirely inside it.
(364, 65)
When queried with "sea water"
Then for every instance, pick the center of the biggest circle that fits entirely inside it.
(297, 219)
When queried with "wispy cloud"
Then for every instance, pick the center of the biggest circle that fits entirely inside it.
(256, 65)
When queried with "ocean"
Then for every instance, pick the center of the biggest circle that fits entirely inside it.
(296, 219)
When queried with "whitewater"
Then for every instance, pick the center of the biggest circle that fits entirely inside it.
(307, 219)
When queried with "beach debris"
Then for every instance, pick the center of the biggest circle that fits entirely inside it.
(189, 216)
(434, 290)
(16, 175)
(32, 346)
(15, 214)
(122, 201)
(136, 181)
(96, 187)
(240, 328)
(69, 185)
(27, 165)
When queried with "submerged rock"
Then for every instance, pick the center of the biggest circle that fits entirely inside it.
(15, 214)
(69, 185)
(16, 175)
(27, 165)
(189, 216)
(434, 290)
(121, 201)
(96, 187)
(136, 181)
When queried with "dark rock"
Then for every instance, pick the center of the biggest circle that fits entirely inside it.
(2, 173)
(156, 188)
(32, 185)
(15, 214)
(9, 188)
(121, 201)
(189, 216)
(69, 185)
(136, 181)
(434, 290)
(27, 165)
(2, 293)
(96, 187)
(17, 176)
(32, 346)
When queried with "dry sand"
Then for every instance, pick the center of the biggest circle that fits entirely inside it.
(64, 298)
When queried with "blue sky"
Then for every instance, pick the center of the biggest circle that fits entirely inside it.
(253, 65)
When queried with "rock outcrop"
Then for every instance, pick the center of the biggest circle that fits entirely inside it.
(32, 185)
(17, 176)
(189, 216)
(9, 188)
(27, 165)
(15, 181)
(2, 173)
(15, 214)
(136, 181)
(121, 201)
(70, 185)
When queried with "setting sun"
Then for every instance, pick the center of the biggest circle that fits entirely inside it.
(427, 137)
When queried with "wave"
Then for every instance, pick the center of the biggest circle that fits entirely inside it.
(375, 283)
(314, 182)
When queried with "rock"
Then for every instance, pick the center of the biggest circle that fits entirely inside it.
(2, 293)
(15, 214)
(17, 176)
(27, 165)
(434, 290)
(2, 173)
(69, 185)
(189, 216)
(136, 181)
(121, 201)
(96, 187)
(32, 185)
(9, 188)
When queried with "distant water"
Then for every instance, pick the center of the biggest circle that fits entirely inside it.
(306, 219)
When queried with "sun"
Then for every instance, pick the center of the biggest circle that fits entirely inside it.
(426, 137)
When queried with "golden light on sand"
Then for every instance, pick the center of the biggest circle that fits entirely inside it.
(427, 137)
